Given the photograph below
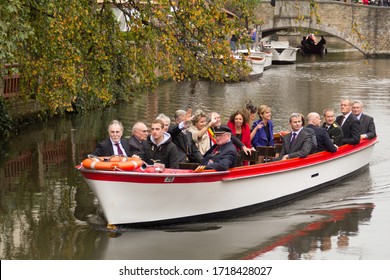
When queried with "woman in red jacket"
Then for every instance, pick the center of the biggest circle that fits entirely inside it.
(240, 128)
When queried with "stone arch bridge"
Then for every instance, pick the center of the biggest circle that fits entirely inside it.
(366, 28)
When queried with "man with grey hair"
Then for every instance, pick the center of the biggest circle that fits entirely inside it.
(166, 120)
(138, 137)
(349, 123)
(114, 145)
(324, 143)
(182, 138)
(223, 154)
(367, 124)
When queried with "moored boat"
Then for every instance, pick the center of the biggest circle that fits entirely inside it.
(149, 197)
(257, 54)
(257, 63)
(282, 52)
(268, 60)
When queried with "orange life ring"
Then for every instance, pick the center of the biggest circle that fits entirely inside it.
(113, 163)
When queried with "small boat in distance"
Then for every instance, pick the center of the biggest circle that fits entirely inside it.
(149, 196)
(268, 59)
(282, 52)
(256, 54)
(310, 46)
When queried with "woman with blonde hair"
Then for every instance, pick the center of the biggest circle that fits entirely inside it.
(198, 129)
(263, 129)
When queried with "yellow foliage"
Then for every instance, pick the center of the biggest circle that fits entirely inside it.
(78, 58)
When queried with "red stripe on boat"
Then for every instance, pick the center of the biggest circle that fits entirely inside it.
(178, 176)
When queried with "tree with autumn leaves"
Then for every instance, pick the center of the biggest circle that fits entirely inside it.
(73, 57)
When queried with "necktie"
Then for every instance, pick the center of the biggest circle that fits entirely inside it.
(216, 150)
(120, 152)
(294, 135)
(341, 120)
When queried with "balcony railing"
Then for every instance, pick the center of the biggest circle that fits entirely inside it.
(10, 82)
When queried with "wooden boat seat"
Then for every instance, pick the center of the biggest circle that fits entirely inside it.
(266, 153)
(242, 156)
(188, 165)
(278, 147)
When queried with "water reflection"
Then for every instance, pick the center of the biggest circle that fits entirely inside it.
(245, 238)
(335, 231)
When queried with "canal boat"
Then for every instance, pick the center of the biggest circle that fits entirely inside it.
(282, 52)
(256, 54)
(310, 47)
(268, 60)
(256, 62)
(151, 195)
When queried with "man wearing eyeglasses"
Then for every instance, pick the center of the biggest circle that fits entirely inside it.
(114, 145)
(223, 154)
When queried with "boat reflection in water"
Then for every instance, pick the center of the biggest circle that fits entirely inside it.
(246, 238)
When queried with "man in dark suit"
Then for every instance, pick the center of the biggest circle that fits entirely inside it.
(367, 125)
(349, 123)
(223, 154)
(334, 130)
(297, 143)
(186, 148)
(312, 134)
(324, 143)
(139, 136)
(114, 145)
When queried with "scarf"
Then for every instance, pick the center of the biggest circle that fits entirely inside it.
(210, 131)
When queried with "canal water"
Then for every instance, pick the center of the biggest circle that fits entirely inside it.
(48, 212)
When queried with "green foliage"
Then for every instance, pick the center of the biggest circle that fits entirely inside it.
(244, 10)
(185, 41)
(13, 29)
(314, 11)
(73, 57)
(76, 58)
(5, 121)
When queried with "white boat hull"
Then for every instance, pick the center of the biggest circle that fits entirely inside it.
(268, 60)
(142, 197)
(257, 65)
(256, 60)
(282, 53)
